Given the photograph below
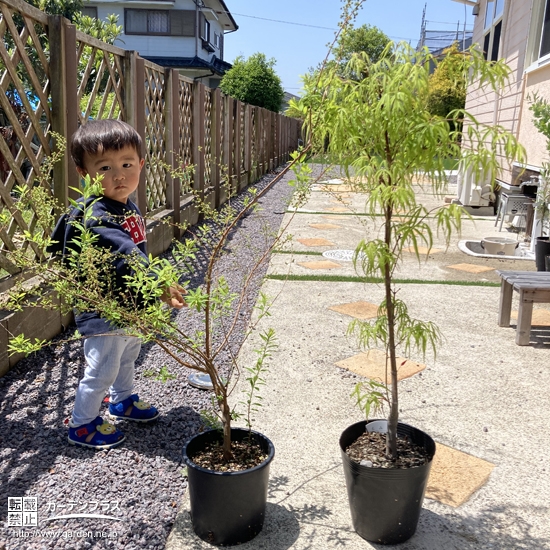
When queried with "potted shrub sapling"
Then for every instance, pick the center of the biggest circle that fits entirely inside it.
(383, 136)
(228, 507)
(541, 119)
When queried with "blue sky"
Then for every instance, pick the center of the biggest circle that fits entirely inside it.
(299, 46)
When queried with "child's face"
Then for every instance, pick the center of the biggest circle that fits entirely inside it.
(120, 170)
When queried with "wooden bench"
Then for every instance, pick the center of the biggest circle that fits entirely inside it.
(533, 287)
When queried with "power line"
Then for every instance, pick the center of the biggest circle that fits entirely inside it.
(318, 26)
(285, 22)
(445, 23)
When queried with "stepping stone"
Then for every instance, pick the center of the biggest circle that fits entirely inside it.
(471, 268)
(359, 310)
(541, 317)
(321, 264)
(329, 217)
(340, 189)
(372, 364)
(337, 209)
(315, 242)
(335, 181)
(423, 250)
(455, 476)
(324, 226)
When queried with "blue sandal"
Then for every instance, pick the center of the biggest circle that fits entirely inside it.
(97, 434)
(133, 408)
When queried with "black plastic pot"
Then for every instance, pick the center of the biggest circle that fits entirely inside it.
(542, 249)
(227, 508)
(385, 504)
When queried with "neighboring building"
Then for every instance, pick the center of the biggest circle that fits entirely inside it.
(286, 101)
(437, 41)
(519, 32)
(183, 34)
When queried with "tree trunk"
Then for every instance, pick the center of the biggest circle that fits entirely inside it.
(391, 437)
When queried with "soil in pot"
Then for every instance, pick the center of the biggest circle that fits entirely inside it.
(369, 449)
(246, 455)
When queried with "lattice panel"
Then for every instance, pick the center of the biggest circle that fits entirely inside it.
(101, 83)
(155, 146)
(207, 138)
(185, 153)
(25, 121)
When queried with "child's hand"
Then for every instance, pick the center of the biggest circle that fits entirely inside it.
(173, 296)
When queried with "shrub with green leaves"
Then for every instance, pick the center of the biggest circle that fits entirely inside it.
(83, 281)
(383, 135)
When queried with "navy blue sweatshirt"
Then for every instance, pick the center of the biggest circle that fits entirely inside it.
(120, 229)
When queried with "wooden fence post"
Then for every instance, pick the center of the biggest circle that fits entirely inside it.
(247, 144)
(198, 137)
(253, 143)
(271, 140)
(216, 134)
(228, 141)
(260, 137)
(130, 108)
(237, 145)
(137, 83)
(62, 39)
(173, 184)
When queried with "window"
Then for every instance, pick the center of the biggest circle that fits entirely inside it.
(545, 38)
(204, 33)
(204, 28)
(493, 29)
(182, 22)
(538, 42)
(89, 11)
(146, 21)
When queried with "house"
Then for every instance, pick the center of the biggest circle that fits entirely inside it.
(285, 104)
(519, 32)
(187, 35)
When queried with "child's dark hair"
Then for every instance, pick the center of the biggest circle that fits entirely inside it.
(97, 136)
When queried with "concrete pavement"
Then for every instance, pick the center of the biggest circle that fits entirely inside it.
(483, 399)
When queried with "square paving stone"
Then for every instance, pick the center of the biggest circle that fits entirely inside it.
(541, 317)
(455, 476)
(315, 242)
(321, 264)
(343, 188)
(471, 268)
(372, 364)
(324, 226)
(359, 310)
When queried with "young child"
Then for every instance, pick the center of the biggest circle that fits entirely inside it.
(111, 149)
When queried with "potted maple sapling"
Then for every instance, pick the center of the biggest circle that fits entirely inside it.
(229, 504)
(383, 136)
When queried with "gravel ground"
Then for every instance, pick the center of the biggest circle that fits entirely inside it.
(141, 481)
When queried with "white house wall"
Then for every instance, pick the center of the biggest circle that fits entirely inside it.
(158, 46)
(504, 108)
(538, 82)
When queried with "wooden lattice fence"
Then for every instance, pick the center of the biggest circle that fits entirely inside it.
(54, 78)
